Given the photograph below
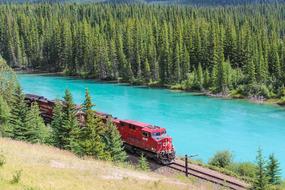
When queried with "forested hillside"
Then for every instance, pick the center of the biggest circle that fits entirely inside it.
(238, 50)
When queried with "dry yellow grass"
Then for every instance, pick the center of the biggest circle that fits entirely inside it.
(48, 168)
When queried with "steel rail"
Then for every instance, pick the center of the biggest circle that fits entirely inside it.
(211, 176)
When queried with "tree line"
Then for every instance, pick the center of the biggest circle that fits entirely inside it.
(236, 50)
(21, 122)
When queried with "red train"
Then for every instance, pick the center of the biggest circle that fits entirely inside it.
(138, 137)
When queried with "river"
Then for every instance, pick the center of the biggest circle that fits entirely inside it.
(198, 124)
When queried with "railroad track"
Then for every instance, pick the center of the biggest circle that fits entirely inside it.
(200, 172)
(210, 175)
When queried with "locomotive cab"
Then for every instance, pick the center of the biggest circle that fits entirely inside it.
(165, 150)
(156, 140)
(151, 140)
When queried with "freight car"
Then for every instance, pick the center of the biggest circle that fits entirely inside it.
(138, 137)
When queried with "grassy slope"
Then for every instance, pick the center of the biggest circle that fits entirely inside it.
(45, 167)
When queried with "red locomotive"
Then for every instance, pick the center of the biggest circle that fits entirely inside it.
(138, 137)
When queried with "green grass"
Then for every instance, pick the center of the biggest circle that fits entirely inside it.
(48, 168)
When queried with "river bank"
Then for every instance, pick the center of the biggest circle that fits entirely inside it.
(157, 85)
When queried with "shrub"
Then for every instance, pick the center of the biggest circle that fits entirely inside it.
(16, 177)
(257, 90)
(143, 164)
(282, 92)
(4, 111)
(236, 94)
(264, 91)
(155, 84)
(2, 160)
(189, 81)
(282, 101)
(5, 130)
(246, 169)
(137, 82)
(221, 159)
(177, 87)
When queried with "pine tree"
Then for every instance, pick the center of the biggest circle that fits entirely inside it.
(227, 75)
(70, 123)
(261, 181)
(143, 163)
(164, 53)
(185, 64)
(87, 105)
(207, 81)
(114, 143)
(251, 73)
(8, 81)
(125, 69)
(4, 118)
(147, 74)
(114, 59)
(4, 111)
(275, 62)
(18, 115)
(176, 65)
(57, 125)
(91, 137)
(200, 78)
(262, 70)
(36, 132)
(273, 170)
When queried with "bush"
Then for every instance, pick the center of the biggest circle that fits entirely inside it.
(245, 169)
(155, 84)
(188, 83)
(143, 164)
(5, 130)
(137, 82)
(2, 160)
(16, 177)
(257, 90)
(281, 101)
(177, 87)
(264, 91)
(236, 93)
(282, 92)
(4, 111)
(221, 159)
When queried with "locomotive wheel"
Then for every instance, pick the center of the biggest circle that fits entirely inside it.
(164, 158)
(165, 162)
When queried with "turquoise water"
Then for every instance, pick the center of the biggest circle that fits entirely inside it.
(198, 124)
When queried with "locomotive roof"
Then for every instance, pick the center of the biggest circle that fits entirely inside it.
(144, 126)
(36, 97)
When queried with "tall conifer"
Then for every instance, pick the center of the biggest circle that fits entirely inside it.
(18, 115)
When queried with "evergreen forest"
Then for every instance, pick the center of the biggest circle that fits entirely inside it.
(232, 50)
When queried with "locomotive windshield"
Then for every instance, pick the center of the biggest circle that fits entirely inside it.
(159, 134)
